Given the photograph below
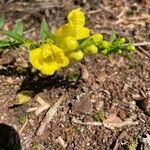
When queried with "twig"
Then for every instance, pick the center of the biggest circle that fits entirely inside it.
(139, 18)
(142, 44)
(111, 126)
(74, 120)
(66, 3)
(31, 109)
(94, 11)
(61, 142)
(44, 106)
(23, 127)
(144, 52)
(49, 116)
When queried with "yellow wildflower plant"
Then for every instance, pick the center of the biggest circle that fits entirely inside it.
(48, 58)
(74, 27)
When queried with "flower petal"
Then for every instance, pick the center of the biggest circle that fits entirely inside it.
(49, 68)
(76, 17)
(34, 58)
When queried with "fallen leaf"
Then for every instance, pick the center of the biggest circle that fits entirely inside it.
(22, 97)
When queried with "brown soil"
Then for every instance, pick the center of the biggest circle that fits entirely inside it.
(104, 87)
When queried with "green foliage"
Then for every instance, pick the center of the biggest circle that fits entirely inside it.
(78, 129)
(22, 119)
(16, 37)
(45, 33)
(113, 36)
(98, 116)
(34, 147)
(2, 21)
(133, 144)
(4, 44)
(18, 28)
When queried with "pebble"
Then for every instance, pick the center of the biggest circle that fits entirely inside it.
(99, 105)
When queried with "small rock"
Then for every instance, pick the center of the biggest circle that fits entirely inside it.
(10, 80)
(99, 105)
(84, 74)
(146, 142)
(93, 98)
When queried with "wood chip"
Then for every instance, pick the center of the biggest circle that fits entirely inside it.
(49, 116)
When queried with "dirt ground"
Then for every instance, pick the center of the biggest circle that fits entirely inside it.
(106, 105)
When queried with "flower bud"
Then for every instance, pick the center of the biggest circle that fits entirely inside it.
(131, 48)
(119, 51)
(78, 55)
(92, 49)
(122, 40)
(105, 44)
(105, 51)
(97, 37)
(69, 44)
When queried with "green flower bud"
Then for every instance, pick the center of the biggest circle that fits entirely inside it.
(105, 44)
(131, 48)
(122, 40)
(105, 51)
(119, 51)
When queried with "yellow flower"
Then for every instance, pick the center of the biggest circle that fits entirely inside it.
(76, 17)
(48, 58)
(74, 27)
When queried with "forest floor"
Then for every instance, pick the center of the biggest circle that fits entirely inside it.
(107, 107)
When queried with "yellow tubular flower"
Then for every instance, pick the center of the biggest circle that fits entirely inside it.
(74, 28)
(48, 58)
(76, 16)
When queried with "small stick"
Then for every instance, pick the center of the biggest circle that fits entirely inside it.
(111, 126)
(44, 106)
(142, 44)
(49, 116)
(23, 127)
(74, 120)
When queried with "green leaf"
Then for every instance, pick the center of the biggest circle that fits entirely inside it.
(14, 36)
(45, 32)
(113, 36)
(87, 43)
(1, 22)
(18, 28)
(4, 44)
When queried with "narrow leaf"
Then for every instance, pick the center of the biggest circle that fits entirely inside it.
(43, 29)
(45, 32)
(4, 44)
(14, 36)
(113, 36)
(18, 28)
(1, 22)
